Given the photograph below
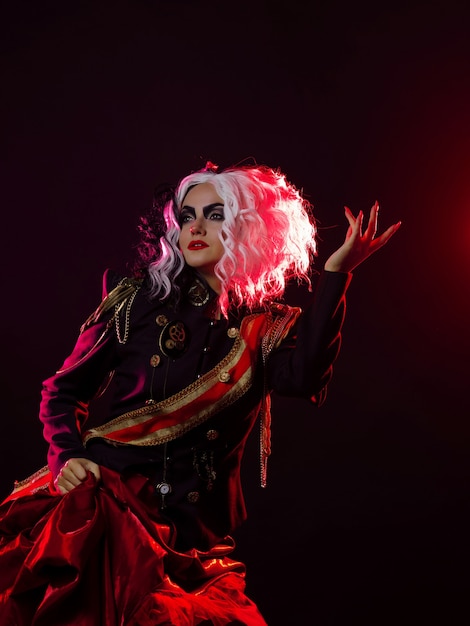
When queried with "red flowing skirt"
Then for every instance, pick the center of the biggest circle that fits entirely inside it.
(100, 556)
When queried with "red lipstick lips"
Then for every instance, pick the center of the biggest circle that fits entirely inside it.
(197, 245)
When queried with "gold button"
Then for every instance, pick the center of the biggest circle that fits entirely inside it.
(233, 332)
(224, 377)
(162, 320)
(212, 434)
(155, 360)
(193, 496)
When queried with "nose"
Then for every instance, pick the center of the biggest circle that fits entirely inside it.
(197, 228)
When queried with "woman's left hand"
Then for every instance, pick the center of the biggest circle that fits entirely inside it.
(357, 246)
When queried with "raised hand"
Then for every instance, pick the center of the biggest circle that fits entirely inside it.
(358, 246)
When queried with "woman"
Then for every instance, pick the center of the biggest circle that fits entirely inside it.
(130, 523)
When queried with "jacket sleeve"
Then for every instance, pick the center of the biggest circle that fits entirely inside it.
(302, 365)
(66, 395)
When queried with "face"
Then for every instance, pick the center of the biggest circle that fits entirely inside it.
(201, 218)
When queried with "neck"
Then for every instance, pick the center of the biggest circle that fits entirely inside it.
(212, 281)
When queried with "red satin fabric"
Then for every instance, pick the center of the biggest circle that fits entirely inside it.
(100, 556)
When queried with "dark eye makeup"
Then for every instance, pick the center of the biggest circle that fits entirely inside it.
(213, 212)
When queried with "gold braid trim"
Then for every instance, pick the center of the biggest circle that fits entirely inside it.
(284, 318)
(41, 478)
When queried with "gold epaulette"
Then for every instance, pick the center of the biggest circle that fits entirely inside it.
(116, 297)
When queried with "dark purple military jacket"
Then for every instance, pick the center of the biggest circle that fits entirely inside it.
(142, 351)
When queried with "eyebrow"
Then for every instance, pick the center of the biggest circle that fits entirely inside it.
(206, 210)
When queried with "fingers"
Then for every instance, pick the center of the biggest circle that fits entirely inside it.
(371, 229)
(349, 216)
(355, 224)
(73, 473)
(384, 237)
(357, 246)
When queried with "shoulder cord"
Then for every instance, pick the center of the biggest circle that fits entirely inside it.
(117, 308)
(116, 297)
(275, 333)
(125, 290)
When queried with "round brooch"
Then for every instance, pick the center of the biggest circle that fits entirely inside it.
(174, 339)
(198, 295)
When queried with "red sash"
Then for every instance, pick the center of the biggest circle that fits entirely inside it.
(214, 391)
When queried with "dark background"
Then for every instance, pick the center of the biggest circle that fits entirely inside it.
(366, 514)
